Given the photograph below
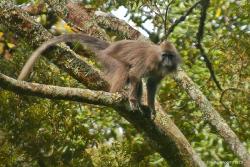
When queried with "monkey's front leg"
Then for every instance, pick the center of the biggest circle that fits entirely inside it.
(152, 84)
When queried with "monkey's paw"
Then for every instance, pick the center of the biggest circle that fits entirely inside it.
(124, 92)
(134, 105)
(152, 113)
(148, 112)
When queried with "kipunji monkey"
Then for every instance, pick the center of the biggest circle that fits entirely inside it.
(124, 62)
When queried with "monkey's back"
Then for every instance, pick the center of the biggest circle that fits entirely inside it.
(134, 53)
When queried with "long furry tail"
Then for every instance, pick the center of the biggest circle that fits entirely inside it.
(94, 43)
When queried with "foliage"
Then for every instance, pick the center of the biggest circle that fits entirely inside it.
(37, 131)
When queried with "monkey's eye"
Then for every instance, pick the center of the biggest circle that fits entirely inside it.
(167, 55)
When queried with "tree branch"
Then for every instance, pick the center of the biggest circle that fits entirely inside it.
(77, 16)
(166, 16)
(61, 93)
(181, 19)
(231, 89)
(119, 27)
(199, 37)
(213, 117)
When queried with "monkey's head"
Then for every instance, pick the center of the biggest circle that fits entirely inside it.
(170, 58)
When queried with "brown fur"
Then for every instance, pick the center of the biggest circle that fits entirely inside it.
(131, 60)
(126, 61)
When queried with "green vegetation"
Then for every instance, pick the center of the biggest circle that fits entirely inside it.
(41, 132)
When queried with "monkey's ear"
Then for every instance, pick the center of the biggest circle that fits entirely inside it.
(166, 45)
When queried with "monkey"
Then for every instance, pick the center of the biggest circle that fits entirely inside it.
(124, 62)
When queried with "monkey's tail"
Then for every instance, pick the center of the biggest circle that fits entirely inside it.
(92, 42)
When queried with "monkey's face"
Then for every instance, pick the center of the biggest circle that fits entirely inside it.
(170, 57)
(169, 61)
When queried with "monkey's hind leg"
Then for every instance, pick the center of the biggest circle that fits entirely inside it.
(114, 71)
(119, 77)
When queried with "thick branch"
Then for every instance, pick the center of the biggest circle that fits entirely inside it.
(78, 17)
(62, 93)
(119, 27)
(199, 37)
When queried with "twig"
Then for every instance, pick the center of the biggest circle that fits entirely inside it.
(231, 89)
(199, 37)
(181, 19)
(154, 7)
(166, 15)
(158, 9)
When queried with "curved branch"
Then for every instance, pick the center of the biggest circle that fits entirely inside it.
(199, 37)
(166, 16)
(231, 89)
